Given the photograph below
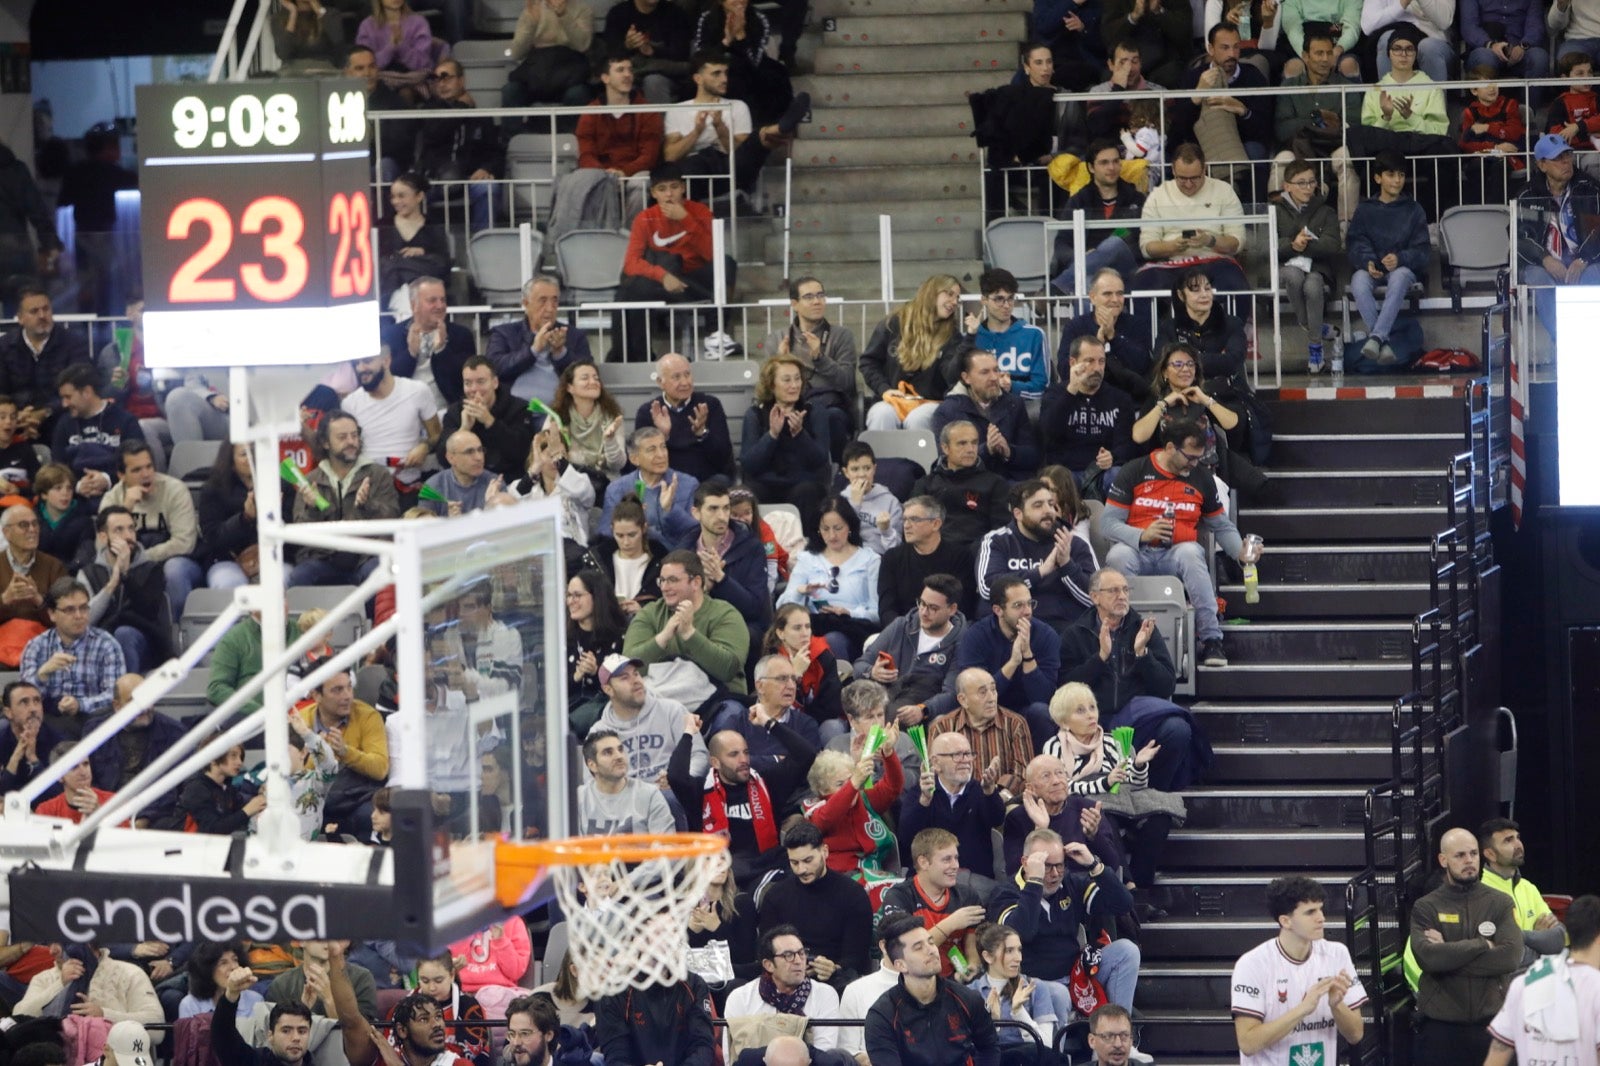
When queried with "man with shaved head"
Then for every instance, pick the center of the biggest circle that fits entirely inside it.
(1048, 803)
(1465, 938)
(694, 423)
(465, 485)
(955, 795)
(744, 804)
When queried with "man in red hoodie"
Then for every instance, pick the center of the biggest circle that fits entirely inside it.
(668, 258)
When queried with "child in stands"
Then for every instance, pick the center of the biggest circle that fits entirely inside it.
(1575, 114)
(1492, 121)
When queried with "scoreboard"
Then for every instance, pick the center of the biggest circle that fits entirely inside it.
(256, 224)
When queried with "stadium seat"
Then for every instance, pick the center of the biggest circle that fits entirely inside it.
(496, 258)
(1020, 245)
(916, 445)
(305, 597)
(1162, 598)
(187, 699)
(1474, 245)
(590, 264)
(190, 461)
(539, 159)
(201, 608)
(496, 16)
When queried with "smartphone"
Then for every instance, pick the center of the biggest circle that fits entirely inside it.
(885, 659)
(1189, 233)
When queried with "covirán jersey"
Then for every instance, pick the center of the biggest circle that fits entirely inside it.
(1267, 984)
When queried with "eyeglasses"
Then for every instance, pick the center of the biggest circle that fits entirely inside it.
(1058, 867)
(23, 525)
(796, 955)
(812, 296)
(1402, 50)
(1191, 457)
(1114, 590)
(958, 756)
(833, 579)
(1181, 364)
(1122, 1036)
(72, 608)
(1196, 180)
(782, 679)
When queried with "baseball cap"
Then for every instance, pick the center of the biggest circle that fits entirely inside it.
(1550, 146)
(614, 663)
(660, 175)
(130, 1042)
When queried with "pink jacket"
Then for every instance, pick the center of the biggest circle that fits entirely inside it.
(494, 959)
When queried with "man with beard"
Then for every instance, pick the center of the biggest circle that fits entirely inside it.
(927, 1018)
(532, 1026)
(465, 485)
(827, 911)
(1038, 548)
(1085, 424)
(28, 740)
(1500, 843)
(500, 420)
(288, 1029)
(1124, 659)
(1021, 658)
(735, 800)
(531, 353)
(1005, 436)
(1218, 120)
(399, 419)
(345, 485)
(1465, 938)
(427, 347)
(613, 802)
(419, 1032)
(732, 556)
(687, 625)
(785, 985)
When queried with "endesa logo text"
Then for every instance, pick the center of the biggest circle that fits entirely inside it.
(180, 917)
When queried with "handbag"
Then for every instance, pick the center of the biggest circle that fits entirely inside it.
(759, 1030)
(904, 400)
(547, 73)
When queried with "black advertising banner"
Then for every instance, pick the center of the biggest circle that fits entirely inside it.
(74, 906)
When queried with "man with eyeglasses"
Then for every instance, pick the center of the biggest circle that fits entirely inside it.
(951, 797)
(1018, 345)
(925, 551)
(1085, 424)
(464, 485)
(784, 988)
(1005, 435)
(826, 909)
(913, 654)
(25, 571)
(1154, 514)
(1172, 239)
(1128, 360)
(1018, 657)
(776, 687)
(1124, 659)
(735, 799)
(827, 351)
(687, 625)
(1054, 914)
(449, 149)
(1111, 1037)
(74, 665)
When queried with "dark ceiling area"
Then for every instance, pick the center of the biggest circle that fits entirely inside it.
(96, 29)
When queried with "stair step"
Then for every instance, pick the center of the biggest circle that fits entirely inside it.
(1296, 564)
(884, 184)
(1368, 488)
(1370, 678)
(1366, 451)
(858, 280)
(848, 89)
(997, 60)
(1319, 641)
(1196, 939)
(1284, 806)
(886, 152)
(832, 124)
(1244, 849)
(1234, 894)
(1369, 416)
(981, 27)
(1392, 599)
(1334, 761)
(1295, 723)
(1165, 1033)
(1320, 524)
(809, 248)
(858, 220)
(843, 9)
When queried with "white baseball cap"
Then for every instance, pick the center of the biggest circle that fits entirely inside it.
(130, 1042)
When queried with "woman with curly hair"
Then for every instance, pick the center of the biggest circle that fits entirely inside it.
(784, 450)
(917, 347)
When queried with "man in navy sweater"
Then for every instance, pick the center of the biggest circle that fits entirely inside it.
(948, 796)
(1023, 658)
(734, 559)
(1047, 910)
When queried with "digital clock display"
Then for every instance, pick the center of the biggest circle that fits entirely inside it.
(256, 223)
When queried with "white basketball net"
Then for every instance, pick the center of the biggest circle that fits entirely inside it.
(628, 923)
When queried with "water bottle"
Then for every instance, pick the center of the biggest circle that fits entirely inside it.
(1170, 513)
(1252, 584)
(1314, 358)
(1336, 365)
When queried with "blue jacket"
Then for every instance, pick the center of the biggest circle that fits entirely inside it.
(1523, 21)
(744, 572)
(984, 645)
(972, 817)
(666, 529)
(510, 349)
(704, 457)
(1127, 346)
(1061, 595)
(1381, 228)
(1009, 415)
(1021, 351)
(106, 763)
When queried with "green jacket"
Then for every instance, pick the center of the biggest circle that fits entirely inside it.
(237, 658)
(1464, 979)
(720, 643)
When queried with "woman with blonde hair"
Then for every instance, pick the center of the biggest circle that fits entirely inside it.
(784, 450)
(848, 809)
(910, 361)
(1097, 766)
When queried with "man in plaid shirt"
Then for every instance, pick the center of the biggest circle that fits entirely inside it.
(75, 665)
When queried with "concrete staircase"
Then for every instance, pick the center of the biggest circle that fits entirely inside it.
(891, 134)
